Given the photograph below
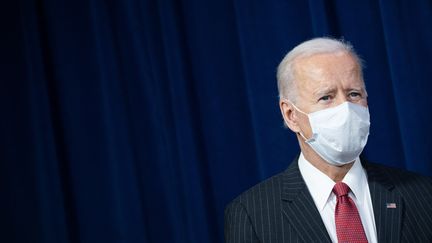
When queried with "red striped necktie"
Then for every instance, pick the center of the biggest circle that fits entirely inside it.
(349, 228)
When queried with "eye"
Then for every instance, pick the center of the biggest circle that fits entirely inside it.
(355, 95)
(325, 98)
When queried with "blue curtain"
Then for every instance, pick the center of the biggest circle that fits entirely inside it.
(137, 121)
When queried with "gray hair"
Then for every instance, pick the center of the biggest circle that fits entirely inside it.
(285, 70)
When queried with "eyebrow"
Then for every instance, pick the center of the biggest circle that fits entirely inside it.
(356, 89)
(324, 91)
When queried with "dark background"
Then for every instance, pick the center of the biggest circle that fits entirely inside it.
(138, 121)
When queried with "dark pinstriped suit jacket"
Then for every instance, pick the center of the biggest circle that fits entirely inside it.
(281, 209)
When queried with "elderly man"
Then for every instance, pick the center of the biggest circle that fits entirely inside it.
(328, 194)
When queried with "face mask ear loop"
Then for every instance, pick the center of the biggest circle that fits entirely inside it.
(297, 108)
(301, 134)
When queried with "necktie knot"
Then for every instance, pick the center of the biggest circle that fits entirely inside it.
(341, 189)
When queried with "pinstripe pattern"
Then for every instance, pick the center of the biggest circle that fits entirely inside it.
(411, 220)
(281, 209)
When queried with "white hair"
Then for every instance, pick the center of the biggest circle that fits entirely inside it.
(285, 71)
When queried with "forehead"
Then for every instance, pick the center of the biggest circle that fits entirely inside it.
(328, 69)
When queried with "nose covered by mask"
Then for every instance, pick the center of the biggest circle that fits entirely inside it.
(339, 133)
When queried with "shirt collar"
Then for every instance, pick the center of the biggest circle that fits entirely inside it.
(320, 185)
(356, 179)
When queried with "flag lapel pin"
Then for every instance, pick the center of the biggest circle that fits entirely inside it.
(390, 205)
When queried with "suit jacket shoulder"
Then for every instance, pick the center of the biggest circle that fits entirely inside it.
(253, 215)
(402, 204)
(413, 187)
(279, 209)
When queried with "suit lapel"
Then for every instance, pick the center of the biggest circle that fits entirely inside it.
(299, 208)
(387, 205)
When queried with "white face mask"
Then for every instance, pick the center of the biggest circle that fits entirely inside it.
(340, 133)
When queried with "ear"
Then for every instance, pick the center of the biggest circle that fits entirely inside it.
(289, 115)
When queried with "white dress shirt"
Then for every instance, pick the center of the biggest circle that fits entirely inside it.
(320, 187)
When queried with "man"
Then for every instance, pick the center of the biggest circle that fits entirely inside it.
(328, 194)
